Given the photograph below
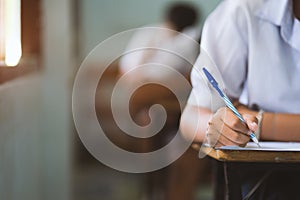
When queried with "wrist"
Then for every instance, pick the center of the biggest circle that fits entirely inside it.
(245, 110)
(259, 117)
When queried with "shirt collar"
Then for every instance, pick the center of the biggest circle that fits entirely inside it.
(280, 13)
(274, 11)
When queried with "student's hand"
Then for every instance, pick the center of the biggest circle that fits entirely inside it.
(225, 128)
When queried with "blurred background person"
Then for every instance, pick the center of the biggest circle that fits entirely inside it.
(173, 43)
(178, 18)
(153, 45)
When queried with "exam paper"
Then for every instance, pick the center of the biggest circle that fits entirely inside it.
(266, 146)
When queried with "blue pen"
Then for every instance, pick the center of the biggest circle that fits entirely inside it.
(228, 103)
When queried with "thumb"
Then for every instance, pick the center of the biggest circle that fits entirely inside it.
(251, 122)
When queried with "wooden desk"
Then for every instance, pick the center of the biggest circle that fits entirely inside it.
(231, 165)
(252, 155)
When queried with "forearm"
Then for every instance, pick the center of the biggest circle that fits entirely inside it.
(280, 127)
(274, 126)
(194, 120)
(277, 126)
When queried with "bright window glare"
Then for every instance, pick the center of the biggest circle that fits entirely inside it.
(10, 32)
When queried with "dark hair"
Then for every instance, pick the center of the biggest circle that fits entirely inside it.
(181, 15)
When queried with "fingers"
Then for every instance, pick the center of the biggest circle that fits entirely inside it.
(223, 141)
(238, 138)
(219, 134)
(229, 118)
(251, 121)
(225, 128)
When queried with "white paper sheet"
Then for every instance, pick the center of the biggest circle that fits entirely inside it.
(266, 146)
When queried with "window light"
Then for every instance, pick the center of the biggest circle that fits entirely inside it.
(10, 32)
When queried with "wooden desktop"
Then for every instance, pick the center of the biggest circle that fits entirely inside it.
(230, 164)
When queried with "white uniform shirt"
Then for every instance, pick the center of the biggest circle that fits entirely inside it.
(255, 42)
(157, 44)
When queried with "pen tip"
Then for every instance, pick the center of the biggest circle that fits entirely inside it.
(258, 145)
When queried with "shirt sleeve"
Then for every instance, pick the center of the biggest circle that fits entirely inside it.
(224, 52)
(178, 51)
(135, 50)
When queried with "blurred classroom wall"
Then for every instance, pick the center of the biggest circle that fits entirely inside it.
(35, 111)
(100, 19)
(36, 130)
